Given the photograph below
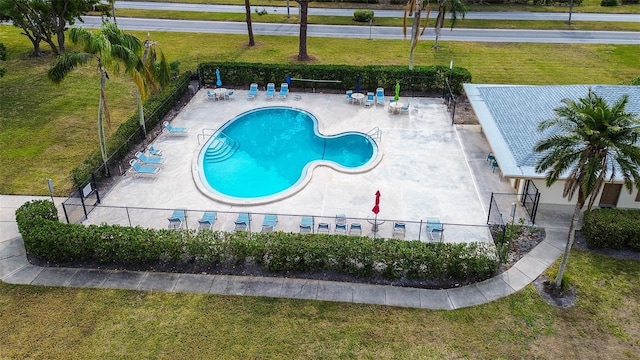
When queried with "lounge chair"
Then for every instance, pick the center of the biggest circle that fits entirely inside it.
(306, 225)
(141, 169)
(173, 130)
(341, 229)
(271, 91)
(242, 222)
(176, 220)
(149, 160)
(207, 220)
(269, 222)
(228, 95)
(323, 228)
(350, 96)
(341, 219)
(284, 91)
(436, 229)
(253, 91)
(399, 230)
(370, 100)
(380, 96)
(355, 229)
(154, 151)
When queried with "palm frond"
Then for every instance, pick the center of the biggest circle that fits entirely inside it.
(65, 63)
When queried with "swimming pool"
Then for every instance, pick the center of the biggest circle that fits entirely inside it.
(270, 151)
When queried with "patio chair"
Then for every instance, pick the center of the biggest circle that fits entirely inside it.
(405, 108)
(173, 130)
(306, 225)
(207, 220)
(269, 222)
(177, 219)
(284, 91)
(323, 228)
(149, 160)
(271, 91)
(370, 100)
(349, 96)
(494, 166)
(211, 95)
(154, 151)
(253, 91)
(228, 95)
(341, 229)
(399, 230)
(341, 219)
(380, 96)
(490, 158)
(242, 222)
(355, 229)
(141, 169)
(436, 229)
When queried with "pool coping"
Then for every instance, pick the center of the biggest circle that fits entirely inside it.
(299, 185)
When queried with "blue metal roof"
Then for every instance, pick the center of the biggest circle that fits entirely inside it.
(514, 111)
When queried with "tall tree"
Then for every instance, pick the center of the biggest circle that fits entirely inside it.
(156, 75)
(455, 7)
(593, 143)
(247, 9)
(109, 48)
(413, 8)
(302, 49)
(65, 13)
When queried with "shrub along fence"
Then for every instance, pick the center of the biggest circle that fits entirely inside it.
(421, 80)
(50, 240)
(612, 228)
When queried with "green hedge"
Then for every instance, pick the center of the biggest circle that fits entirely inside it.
(363, 16)
(121, 142)
(421, 79)
(612, 228)
(50, 240)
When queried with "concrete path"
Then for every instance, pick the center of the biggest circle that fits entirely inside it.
(15, 269)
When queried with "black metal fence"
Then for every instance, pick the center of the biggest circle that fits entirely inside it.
(531, 199)
(450, 99)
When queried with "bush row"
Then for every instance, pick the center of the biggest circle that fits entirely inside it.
(363, 16)
(612, 228)
(421, 79)
(128, 133)
(48, 239)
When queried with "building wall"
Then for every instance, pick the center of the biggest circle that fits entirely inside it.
(553, 195)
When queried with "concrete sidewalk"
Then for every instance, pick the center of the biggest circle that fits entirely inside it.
(15, 269)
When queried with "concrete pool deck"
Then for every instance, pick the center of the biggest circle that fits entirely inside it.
(423, 173)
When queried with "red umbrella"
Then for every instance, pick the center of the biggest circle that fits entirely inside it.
(376, 208)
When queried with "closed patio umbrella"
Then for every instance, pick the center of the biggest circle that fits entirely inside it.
(218, 78)
(397, 92)
(358, 83)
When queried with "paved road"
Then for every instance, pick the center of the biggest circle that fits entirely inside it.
(493, 15)
(377, 32)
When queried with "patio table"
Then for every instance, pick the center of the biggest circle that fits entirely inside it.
(357, 98)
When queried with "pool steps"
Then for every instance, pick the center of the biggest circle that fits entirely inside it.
(220, 149)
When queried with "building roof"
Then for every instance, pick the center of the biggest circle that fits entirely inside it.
(510, 114)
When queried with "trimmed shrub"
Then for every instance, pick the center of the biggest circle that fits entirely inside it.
(48, 239)
(422, 79)
(363, 16)
(609, 3)
(612, 228)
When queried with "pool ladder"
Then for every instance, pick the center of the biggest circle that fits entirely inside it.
(375, 133)
(221, 148)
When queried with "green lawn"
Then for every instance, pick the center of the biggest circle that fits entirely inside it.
(343, 20)
(55, 323)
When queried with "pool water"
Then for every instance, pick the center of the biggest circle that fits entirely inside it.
(269, 150)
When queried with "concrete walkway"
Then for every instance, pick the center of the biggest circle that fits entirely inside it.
(15, 269)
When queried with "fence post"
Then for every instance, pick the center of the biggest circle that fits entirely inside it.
(66, 216)
(490, 204)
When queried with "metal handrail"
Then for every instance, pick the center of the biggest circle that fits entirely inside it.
(375, 133)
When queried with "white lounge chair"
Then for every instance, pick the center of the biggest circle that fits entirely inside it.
(177, 219)
(139, 169)
(173, 130)
(271, 91)
(284, 91)
(253, 91)
(207, 220)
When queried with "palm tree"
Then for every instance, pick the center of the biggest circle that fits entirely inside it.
(456, 7)
(247, 9)
(414, 8)
(302, 49)
(156, 76)
(593, 143)
(109, 48)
